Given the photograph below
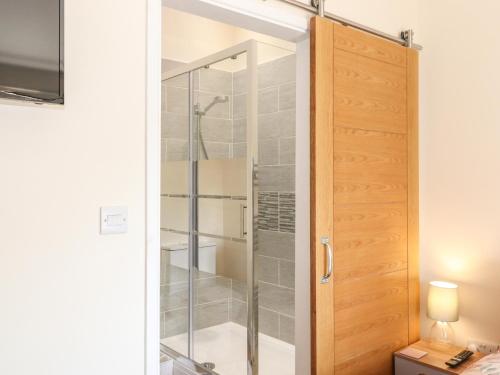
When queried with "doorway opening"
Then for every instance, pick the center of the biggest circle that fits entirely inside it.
(227, 197)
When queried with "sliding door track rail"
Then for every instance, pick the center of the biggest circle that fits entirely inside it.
(317, 7)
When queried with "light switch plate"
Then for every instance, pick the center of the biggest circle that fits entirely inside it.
(114, 220)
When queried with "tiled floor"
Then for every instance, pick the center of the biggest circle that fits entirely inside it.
(225, 345)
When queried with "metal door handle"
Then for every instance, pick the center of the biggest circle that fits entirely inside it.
(243, 224)
(325, 241)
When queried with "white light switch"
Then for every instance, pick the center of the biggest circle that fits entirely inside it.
(114, 220)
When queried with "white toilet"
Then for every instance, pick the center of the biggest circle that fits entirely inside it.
(206, 256)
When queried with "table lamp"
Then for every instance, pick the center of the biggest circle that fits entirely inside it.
(442, 306)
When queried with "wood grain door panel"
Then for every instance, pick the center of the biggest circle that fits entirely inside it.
(364, 196)
(367, 310)
(369, 167)
(376, 362)
(322, 306)
(369, 94)
(366, 45)
(370, 239)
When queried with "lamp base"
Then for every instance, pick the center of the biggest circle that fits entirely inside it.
(442, 332)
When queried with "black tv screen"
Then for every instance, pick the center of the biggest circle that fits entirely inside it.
(31, 50)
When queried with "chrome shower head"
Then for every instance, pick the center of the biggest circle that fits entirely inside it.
(216, 100)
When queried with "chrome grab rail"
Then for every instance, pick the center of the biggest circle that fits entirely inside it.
(325, 241)
(243, 221)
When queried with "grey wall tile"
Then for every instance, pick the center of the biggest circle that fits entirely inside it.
(181, 81)
(216, 151)
(216, 130)
(177, 100)
(168, 64)
(163, 270)
(269, 151)
(278, 124)
(277, 244)
(176, 275)
(163, 151)
(287, 96)
(267, 269)
(287, 123)
(162, 325)
(176, 322)
(174, 296)
(239, 150)
(277, 72)
(211, 314)
(199, 275)
(287, 273)
(277, 298)
(178, 81)
(239, 106)
(175, 125)
(163, 96)
(287, 150)
(287, 329)
(268, 100)
(239, 290)
(277, 178)
(216, 81)
(269, 125)
(240, 130)
(269, 211)
(269, 322)
(176, 150)
(240, 82)
(286, 207)
(213, 289)
(239, 312)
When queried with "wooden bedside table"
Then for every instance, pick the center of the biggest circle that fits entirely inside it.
(434, 362)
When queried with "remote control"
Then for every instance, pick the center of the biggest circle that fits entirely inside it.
(459, 358)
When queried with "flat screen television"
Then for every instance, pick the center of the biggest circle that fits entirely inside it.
(31, 50)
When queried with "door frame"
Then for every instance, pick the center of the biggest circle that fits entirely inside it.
(285, 23)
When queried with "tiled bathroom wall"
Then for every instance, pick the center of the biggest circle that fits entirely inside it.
(221, 297)
(275, 260)
(216, 123)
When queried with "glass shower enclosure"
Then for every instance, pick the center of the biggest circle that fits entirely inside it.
(210, 226)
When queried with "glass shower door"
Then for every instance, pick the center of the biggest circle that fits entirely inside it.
(228, 211)
(220, 309)
(175, 214)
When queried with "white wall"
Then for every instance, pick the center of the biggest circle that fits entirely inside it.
(188, 37)
(460, 159)
(72, 301)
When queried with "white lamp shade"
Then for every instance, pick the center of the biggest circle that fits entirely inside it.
(442, 301)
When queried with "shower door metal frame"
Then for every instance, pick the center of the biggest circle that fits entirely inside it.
(250, 48)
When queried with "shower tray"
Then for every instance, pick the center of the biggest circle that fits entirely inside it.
(173, 363)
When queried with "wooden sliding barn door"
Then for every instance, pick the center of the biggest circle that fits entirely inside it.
(364, 200)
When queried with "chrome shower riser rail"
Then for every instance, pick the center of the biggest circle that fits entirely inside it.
(344, 21)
